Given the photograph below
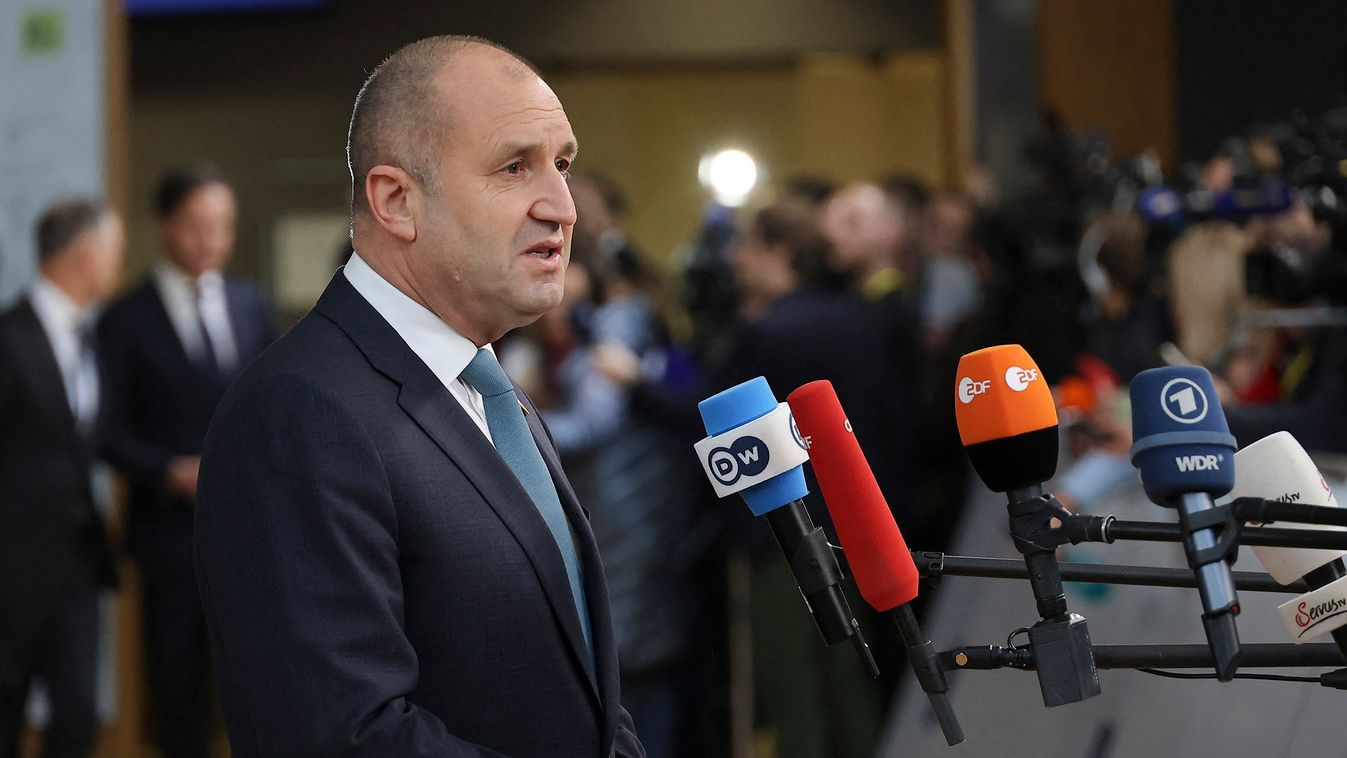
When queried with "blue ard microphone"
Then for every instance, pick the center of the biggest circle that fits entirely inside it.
(755, 449)
(1186, 456)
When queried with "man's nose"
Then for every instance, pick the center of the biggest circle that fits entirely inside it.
(555, 204)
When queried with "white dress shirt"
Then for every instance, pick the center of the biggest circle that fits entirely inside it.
(62, 320)
(444, 351)
(179, 293)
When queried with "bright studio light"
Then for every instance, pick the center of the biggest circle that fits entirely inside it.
(730, 175)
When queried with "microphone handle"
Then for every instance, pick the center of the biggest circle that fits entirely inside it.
(925, 662)
(1322, 577)
(819, 577)
(1216, 586)
(1027, 521)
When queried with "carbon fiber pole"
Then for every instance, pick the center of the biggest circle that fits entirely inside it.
(934, 565)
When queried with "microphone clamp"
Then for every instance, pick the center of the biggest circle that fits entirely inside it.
(1032, 524)
(1066, 671)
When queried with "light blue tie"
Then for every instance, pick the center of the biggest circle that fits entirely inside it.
(513, 440)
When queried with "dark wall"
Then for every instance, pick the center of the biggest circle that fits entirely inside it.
(1007, 97)
(267, 96)
(332, 49)
(1246, 62)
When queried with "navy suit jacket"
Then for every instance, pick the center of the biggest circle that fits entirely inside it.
(52, 539)
(375, 579)
(160, 401)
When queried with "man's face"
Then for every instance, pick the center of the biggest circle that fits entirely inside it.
(199, 234)
(105, 256)
(860, 228)
(494, 240)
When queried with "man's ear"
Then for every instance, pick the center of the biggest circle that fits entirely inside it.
(388, 191)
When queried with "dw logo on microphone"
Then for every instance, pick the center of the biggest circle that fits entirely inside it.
(1184, 401)
(747, 456)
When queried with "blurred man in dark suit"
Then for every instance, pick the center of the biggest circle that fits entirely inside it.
(54, 554)
(793, 332)
(172, 345)
(391, 559)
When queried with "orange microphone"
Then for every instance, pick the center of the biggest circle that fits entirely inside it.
(1007, 418)
(1008, 425)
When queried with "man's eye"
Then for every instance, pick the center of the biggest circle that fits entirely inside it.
(564, 166)
(514, 168)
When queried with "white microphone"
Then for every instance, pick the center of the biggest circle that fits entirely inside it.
(1278, 468)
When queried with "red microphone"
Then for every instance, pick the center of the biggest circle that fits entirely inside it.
(878, 556)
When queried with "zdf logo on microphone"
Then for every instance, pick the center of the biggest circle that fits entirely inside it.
(970, 388)
(746, 456)
(1184, 401)
(1019, 378)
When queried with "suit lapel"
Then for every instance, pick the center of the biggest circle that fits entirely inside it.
(169, 336)
(596, 587)
(42, 371)
(249, 324)
(431, 406)
(158, 310)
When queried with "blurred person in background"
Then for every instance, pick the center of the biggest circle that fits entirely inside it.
(1208, 300)
(1205, 276)
(1126, 323)
(637, 482)
(869, 233)
(912, 197)
(1127, 320)
(951, 293)
(54, 551)
(948, 306)
(630, 469)
(174, 344)
(809, 701)
(870, 236)
(1297, 262)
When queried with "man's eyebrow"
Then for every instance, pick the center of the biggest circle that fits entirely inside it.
(505, 149)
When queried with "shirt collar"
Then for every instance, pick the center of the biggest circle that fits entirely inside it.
(438, 345)
(170, 275)
(54, 306)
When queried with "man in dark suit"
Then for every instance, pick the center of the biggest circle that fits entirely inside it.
(172, 346)
(391, 559)
(54, 554)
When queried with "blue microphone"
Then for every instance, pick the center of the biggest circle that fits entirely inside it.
(754, 449)
(1186, 455)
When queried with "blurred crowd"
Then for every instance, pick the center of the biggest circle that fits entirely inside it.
(1100, 270)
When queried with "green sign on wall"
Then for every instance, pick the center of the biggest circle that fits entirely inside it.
(43, 31)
